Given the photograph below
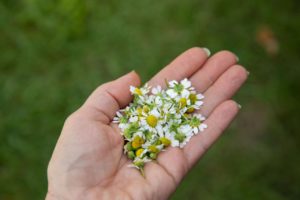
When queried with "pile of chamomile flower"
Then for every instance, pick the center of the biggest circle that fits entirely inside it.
(158, 118)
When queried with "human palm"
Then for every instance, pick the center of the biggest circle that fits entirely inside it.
(88, 160)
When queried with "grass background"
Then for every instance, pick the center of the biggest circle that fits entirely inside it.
(54, 53)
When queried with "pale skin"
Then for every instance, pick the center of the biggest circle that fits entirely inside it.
(88, 160)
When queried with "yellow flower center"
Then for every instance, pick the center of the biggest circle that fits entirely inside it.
(186, 115)
(139, 152)
(182, 102)
(137, 142)
(153, 149)
(193, 98)
(165, 141)
(139, 110)
(190, 110)
(151, 120)
(138, 91)
(146, 109)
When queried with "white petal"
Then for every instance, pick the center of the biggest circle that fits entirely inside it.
(188, 102)
(155, 113)
(158, 101)
(119, 114)
(139, 134)
(159, 129)
(185, 93)
(156, 90)
(171, 93)
(199, 96)
(196, 130)
(133, 119)
(175, 143)
(132, 88)
(202, 127)
(199, 103)
(172, 83)
(160, 147)
(186, 83)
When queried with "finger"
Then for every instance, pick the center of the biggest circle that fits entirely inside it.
(218, 121)
(181, 67)
(224, 88)
(212, 69)
(171, 164)
(108, 98)
(160, 180)
(174, 163)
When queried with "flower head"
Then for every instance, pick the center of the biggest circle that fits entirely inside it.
(158, 118)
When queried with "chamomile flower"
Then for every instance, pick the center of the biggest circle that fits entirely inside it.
(184, 134)
(182, 88)
(121, 119)
(152, 121)
(139, 162)
(133, 119)
(153, 148)
(196, 100)
(168, 139)
(139, 91)
(196, 123)
(158, 118)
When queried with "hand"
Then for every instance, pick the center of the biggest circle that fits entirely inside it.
(88, 160)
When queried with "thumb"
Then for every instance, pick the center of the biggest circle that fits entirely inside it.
(108, 98)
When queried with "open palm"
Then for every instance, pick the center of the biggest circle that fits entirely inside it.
(88, 160)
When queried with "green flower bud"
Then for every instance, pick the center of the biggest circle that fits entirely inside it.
(180, 137)
(131, 155)
(158, 142)
(153, 156)
(139, 164)
(127, 133)
(165, 141)
(129, 146)
(148, 135)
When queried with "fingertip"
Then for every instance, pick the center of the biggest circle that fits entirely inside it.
(225, 111)
(183, 66)
(198, 52)
(230, 56)
(229, 108)
(207, 51)
(136, 77)
(217, 122)
(238, 74)
(131, 78)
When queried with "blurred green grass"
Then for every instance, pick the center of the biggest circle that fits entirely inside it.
(54, 53)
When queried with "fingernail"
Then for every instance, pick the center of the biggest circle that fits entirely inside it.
(239, 106)
(207, 51)
(237, 58)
